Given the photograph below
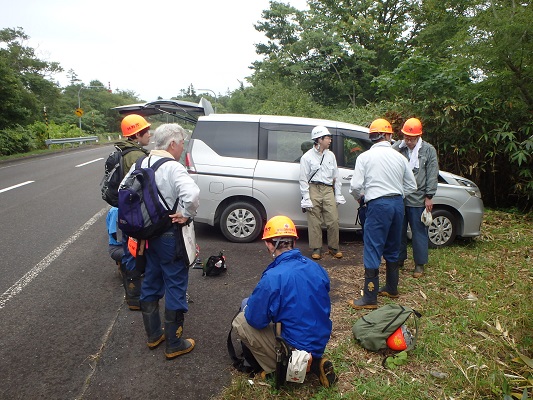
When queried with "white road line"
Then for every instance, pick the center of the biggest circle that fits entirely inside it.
(89, 162)
(16, 186)
(10, 293)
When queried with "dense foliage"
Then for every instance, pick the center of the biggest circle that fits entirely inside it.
(464, 67)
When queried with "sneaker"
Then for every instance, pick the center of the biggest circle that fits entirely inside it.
(326, 373)
(335, 253)
(317, 254)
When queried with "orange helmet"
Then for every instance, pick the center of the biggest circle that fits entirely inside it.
(380, 125)
(400, 339)
(279, 226)
(132, 124)
(412, 127)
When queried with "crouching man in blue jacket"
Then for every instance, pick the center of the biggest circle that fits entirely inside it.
(293, 291)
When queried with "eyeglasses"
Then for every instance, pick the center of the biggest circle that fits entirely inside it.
(410, 139)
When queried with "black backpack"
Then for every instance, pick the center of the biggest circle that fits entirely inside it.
(113, 175)
(215, 265)
(140, 212)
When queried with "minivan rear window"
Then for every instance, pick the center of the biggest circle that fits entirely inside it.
(229, 139)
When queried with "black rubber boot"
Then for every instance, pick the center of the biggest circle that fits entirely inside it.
(132, 281)
(391, 281)
(152, 323)
(370, 291)
(175, 345)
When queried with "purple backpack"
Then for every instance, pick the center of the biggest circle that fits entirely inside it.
(140, 212)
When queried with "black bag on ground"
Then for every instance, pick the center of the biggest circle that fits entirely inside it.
(215, 265)
(113, 175)
(373, 329)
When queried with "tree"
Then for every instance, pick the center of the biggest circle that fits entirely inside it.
(27, 84)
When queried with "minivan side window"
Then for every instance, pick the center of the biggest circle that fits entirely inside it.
(353, 147)
(287, 146)
(229, 138)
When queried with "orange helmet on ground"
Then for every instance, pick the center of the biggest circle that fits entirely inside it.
(380, 125)
(400, 339)
(412, 127)
(279, 226)
(132, 124)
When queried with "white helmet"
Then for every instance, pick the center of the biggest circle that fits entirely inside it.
(319, 131)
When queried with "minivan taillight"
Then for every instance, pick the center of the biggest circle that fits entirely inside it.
(189, 164)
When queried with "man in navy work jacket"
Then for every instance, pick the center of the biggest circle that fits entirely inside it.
(293, 291)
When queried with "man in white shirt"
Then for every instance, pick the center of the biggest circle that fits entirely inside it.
(320, 188)
(384, 179)
(166, 272)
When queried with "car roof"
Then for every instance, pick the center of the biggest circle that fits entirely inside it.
(278, 119)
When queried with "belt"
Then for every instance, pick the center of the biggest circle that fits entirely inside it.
(320, 183)
(387, 196)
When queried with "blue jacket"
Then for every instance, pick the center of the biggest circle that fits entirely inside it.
(293, 290)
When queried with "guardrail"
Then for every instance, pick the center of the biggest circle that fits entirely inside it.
(79, 140)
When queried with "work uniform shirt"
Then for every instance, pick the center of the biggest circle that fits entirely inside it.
(380, 172)
(293, 290)
(173, 182)
(426, 175)
(326, 171)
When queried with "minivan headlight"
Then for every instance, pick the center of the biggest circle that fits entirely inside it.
(470, 187)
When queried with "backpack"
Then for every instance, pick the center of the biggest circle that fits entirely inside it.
(245, 362)
(373, 329)
(113, 175)
(140, 213)
(214, 265)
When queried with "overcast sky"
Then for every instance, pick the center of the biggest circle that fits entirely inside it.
(154, 48)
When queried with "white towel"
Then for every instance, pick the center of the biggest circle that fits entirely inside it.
(413, 159)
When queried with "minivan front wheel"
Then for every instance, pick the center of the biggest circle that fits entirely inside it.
(241, 222)
(443, 230)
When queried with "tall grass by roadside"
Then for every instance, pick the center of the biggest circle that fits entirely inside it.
(476, 333)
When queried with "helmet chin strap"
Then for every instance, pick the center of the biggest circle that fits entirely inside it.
(277, 241)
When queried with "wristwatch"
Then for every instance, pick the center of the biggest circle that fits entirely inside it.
(429, 196)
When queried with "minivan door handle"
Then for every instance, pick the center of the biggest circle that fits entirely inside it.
(347, 177)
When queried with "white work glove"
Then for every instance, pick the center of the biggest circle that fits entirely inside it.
(339, 199)
(306, 203)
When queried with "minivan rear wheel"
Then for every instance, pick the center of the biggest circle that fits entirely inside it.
(443, 229)
(241, 222)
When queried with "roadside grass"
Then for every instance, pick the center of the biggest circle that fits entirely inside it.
(476, 332)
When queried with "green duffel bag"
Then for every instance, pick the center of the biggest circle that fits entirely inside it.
(373, 329)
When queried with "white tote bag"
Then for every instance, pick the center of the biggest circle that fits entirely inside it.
(189, 242)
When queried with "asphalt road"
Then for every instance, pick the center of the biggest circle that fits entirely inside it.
(65, 331)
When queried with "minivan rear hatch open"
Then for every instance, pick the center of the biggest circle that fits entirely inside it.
(184, 110)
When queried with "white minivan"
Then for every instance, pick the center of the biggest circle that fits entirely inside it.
(247, 168)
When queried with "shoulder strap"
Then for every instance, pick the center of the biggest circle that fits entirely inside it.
(322, 159)
(416, 315)
(154, 167)
(126, 151)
